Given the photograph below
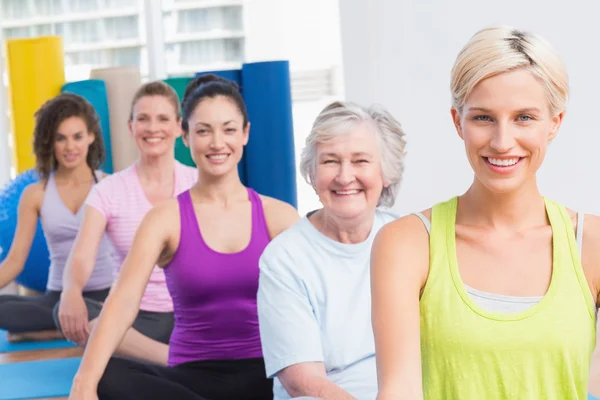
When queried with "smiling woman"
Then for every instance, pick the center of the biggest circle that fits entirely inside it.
(208, 240)
(69, 151)
(493, 293)
(314, 297)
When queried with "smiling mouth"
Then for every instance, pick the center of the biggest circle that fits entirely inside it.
(503, 162)
(153, 140)
(349, 192)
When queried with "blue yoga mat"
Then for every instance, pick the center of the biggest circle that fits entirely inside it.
(592, 397)
(270, 155)
(6, 347)
(234, 75)
(36, 379)
(94, 91)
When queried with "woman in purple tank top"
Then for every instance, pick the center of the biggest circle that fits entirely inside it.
(208, 240)
(69, 151)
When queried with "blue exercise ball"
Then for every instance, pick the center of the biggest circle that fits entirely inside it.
(35, 272)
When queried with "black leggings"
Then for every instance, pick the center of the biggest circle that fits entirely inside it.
(200, 380)
(155, 325)
(19, 314)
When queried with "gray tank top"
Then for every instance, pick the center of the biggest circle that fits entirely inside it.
(60, 227)
(502, 303)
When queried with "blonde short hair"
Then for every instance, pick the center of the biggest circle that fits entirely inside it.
(337, 119)
(496, 50)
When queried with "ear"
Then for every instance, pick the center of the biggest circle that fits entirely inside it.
(92, 138)
(457, 122)
(555, 126)
(386, 183)
(246, 133)
(179, 130)
(186, 138)
(130, 126)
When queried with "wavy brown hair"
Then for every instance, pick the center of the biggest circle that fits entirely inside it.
(47, 120)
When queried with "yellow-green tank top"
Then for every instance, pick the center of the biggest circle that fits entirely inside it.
(541, 353)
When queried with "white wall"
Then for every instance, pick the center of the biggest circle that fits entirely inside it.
(307, 34)
(400, 53)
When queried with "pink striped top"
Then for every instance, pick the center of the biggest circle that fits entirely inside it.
(122, 201)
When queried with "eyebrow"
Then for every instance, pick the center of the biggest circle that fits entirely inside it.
(76, 133)
(357, 154)
(521, 110)
(209, 125)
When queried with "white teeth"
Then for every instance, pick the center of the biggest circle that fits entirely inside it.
(503, 163)
(346, 192)
(218, 156)
(153, 140)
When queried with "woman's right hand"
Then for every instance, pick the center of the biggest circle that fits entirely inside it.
(82, 390)
(73, 317)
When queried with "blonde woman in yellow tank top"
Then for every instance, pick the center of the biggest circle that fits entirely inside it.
(488, 295)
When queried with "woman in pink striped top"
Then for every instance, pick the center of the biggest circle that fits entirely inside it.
(117, 206)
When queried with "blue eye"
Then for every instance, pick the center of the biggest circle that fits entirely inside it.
(482, 118)
(525, 118)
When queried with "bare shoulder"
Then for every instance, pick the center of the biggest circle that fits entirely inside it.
(279, 215)
(164, 211)
(401, 249)
(408, 229)
(33, 194)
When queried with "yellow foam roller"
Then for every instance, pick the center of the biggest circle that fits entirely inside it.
(36, 73)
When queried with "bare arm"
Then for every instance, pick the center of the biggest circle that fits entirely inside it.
(279, 215)
(310, 379)
(399, 268)
(155, 234)
(590, 254)
(80, 263)
(27, 218)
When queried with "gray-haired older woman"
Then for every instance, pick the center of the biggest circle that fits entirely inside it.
(314, 300)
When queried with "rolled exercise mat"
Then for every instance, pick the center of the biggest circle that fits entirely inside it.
(270, 154)
(94, 91)
(36, 73)
(182, 152)
(234, 75)
(121, 85)
(38, 379)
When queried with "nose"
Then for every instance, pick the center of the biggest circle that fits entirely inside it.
(153, 125)
(70, 144)
(217, 141)
(345, 174)
(503, 138)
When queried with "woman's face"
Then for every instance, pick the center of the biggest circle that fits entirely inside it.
(506, 126)
(217, 136)
(155, 126)
(72, 142)
(348, 174)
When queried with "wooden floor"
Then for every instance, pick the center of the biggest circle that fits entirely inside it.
(7, 358)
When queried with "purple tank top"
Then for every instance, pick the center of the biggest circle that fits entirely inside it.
(214, 294)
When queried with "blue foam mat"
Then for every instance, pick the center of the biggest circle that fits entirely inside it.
(270, 152)
(6, 347)
(37, 379)
(94, 91)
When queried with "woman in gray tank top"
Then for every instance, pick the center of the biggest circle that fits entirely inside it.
(69, 151)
